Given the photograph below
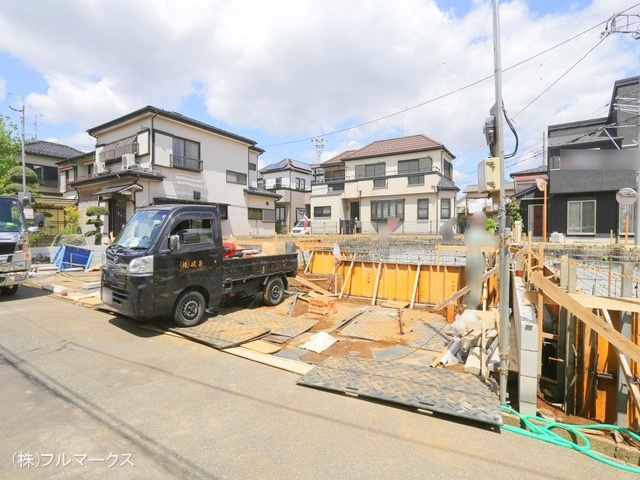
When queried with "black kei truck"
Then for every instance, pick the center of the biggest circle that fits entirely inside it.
(168, 261)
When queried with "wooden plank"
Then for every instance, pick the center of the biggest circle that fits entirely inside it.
(375, 287)
(312, 286)
(618, 304)
(261, 346)
(415, 287)
(278, 362)
(306, 268)
(348, 277)
(624, 364)
(464, 290)
(614, 337)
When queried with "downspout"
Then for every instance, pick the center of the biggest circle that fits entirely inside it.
(437, 208)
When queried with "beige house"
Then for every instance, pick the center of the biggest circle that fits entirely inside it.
(42, 157)
(407, 178)
(153, 156)
(291, 180)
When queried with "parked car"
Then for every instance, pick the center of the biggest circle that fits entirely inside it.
(169, 261)
(300, 229)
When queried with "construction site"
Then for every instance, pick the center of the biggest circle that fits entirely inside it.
(387, 320)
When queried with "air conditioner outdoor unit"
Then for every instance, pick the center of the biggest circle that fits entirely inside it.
(128, 161)
(100, 167)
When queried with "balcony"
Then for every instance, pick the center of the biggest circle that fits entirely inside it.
(278, 183)
(186, 163)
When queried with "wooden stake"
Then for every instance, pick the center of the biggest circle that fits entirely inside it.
(563, 299)
(306, 269)
(415, 287)
(375, 288)
(348, 277)
(624, 364)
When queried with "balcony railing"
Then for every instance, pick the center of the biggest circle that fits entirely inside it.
(186, 163)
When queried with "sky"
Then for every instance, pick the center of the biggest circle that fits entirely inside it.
(282, 72)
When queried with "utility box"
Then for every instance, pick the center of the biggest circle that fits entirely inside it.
(489, 175)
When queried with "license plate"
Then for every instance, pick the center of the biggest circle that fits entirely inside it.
(106, 295)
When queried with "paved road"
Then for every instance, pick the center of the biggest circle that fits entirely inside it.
(78, 382)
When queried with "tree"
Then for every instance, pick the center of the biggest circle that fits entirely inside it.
(515, 214)
(96, 211)
(9, 148)
(14, 181)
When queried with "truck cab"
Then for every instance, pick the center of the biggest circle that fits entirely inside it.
(15, 258)
(168, 261)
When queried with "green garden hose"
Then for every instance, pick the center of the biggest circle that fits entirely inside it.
(542, 429)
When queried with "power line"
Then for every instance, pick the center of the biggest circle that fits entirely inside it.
(560, 77)
(440, 97)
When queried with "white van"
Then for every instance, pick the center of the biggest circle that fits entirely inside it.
(299, 228)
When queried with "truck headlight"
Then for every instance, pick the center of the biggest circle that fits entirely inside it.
(19, 265)
(141, 266)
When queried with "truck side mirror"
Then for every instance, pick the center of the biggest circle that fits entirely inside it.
(39, 220)
(174, 242)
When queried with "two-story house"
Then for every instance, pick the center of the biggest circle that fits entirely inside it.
(476, 201)
(531, 198)
(291, 180)
(153, 156)
(42, 157)
(408, 178)
(589, 161)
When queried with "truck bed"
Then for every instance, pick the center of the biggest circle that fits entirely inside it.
(235, 269)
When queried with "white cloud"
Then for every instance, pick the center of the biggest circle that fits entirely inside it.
(303, 68)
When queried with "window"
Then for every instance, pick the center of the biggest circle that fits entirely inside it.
(581, 217)
(379, 183)
(414, 166)
(622, 219)
(186, 154)
(193, 231)
(416, 180)
(90, 170)
(268, 216)
(300, 184)
(334, 175)
(423, 209)
(554, 163)
(47, 176)
(321, 211)
(255, 213)
(445, 208)
(371, 170)
(253, 167)
(336, 187)
(236, 177)
(224, 211)
(447, 169)
(280, 214)
(383, 209)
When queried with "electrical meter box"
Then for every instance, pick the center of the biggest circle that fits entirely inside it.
(489, 175)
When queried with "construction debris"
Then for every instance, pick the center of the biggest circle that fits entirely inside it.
(319, 342)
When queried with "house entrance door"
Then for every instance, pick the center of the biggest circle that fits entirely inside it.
(535, 219)
(117, 213)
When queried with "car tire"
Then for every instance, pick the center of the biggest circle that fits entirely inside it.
(9, 290)
(274, 291)
(189, 309)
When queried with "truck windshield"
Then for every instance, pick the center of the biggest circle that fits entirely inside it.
(141, 230)
(11, 217)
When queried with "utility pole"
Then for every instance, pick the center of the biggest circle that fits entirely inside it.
(35, 123)
(24, 171)
(503, 254)
(627, 23)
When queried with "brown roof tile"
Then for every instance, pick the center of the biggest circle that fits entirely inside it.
(413, 143)
(337, 159)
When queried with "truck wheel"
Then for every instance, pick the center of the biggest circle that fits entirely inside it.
(9, 290)
(189, 309)
(274, 291)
